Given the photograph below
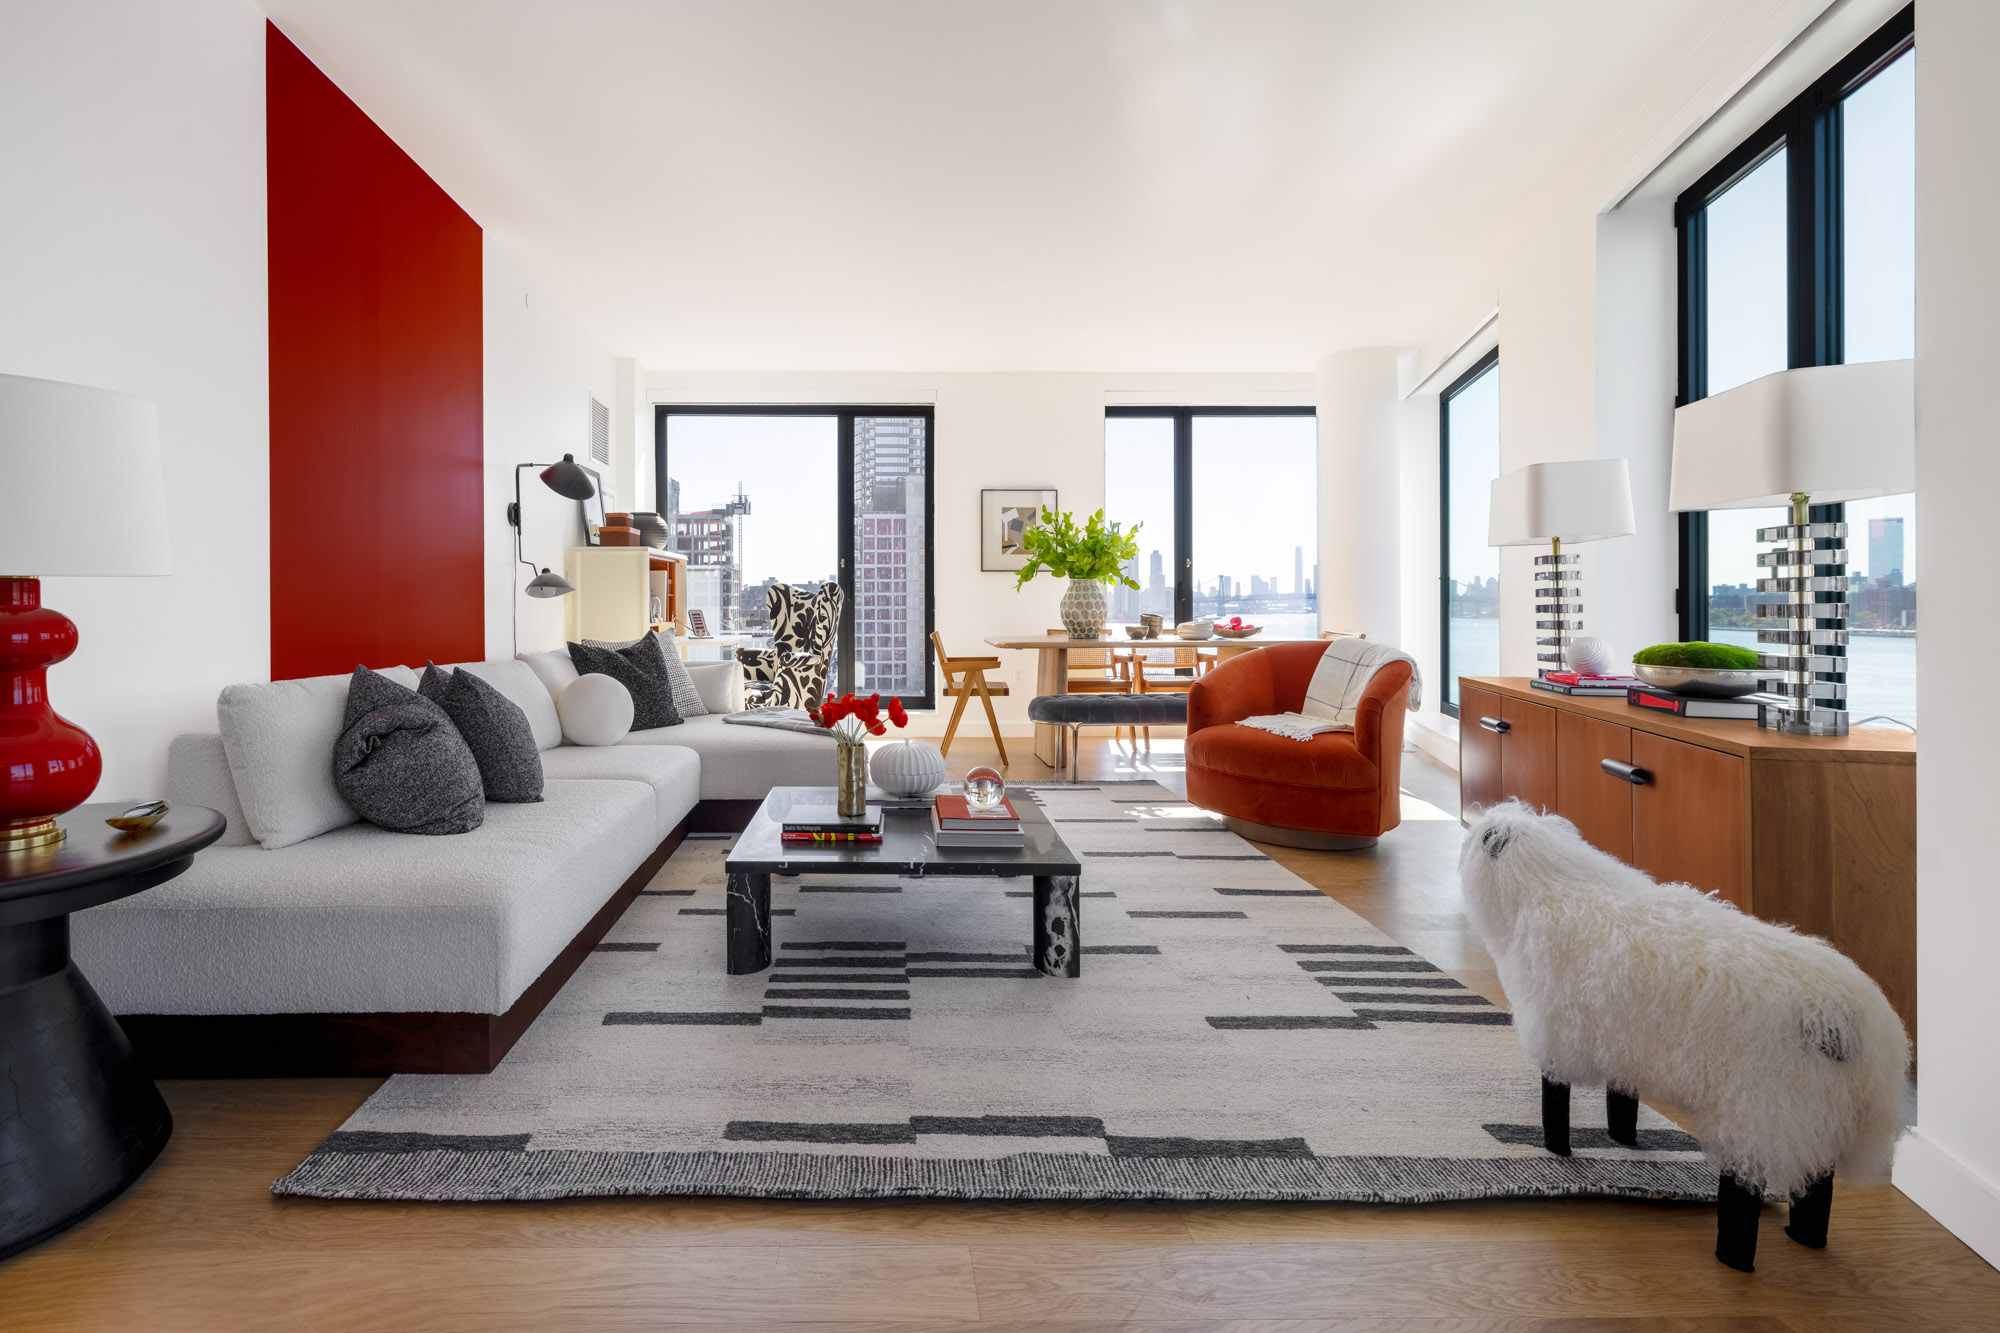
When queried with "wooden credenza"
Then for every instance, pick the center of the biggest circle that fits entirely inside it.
(1814, 832)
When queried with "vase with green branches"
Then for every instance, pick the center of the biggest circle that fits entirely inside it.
(1089, 557)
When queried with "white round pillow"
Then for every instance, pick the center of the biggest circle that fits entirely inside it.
(595, 710)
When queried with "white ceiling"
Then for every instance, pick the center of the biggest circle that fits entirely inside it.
(1010, 185)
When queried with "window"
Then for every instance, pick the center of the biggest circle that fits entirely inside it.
(806, 495)
(1469, 569)
(1228, 503)
(1799, 250)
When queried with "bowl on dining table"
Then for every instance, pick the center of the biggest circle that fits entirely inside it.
(1242, 632)
(1194, 629)
(1707, 682)
(1135, 631)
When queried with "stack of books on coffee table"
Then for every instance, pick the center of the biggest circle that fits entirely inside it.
(825, 823)
(956, 822)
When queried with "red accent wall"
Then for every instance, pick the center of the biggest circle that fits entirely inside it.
(377, 544)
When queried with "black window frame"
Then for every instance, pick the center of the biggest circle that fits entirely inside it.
(844, 415)
(1446, 703)
(1184, 419)
(1809, 129)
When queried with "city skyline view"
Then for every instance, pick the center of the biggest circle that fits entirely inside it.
(740, 538)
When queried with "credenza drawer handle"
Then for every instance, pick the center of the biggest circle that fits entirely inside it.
(1631, 773)
(1497, 725)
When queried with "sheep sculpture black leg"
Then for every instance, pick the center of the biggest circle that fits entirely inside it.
(1555, 1116)
(1621, 1117)
(1736, 1209)
(1809, 1213)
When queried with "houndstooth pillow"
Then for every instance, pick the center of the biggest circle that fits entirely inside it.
(687, 699)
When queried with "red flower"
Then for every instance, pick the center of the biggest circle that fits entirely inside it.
(867, 711)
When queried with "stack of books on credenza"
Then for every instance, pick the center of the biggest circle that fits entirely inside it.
(825, 824)
(956, 822)
(1742, 707)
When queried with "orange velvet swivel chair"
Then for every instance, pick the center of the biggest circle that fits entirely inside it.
(1335, 792)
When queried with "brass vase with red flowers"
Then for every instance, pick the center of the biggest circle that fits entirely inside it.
(853, 718)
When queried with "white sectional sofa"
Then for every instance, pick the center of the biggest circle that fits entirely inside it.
(352, 949)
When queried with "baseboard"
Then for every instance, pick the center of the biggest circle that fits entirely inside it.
(722, 816)
(348, 1045)
(1949, 1191)
(1435, 744)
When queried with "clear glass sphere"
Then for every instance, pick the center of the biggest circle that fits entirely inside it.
(984, 788)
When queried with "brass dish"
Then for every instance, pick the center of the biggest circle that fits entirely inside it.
(139, 817)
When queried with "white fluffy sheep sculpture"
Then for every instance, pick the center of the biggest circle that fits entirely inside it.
(1787, 1057)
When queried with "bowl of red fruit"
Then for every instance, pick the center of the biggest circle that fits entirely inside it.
(1234, 628)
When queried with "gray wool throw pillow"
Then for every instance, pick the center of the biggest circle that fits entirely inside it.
(494, 728)
(687, 698)
(642, 671)
(401, 763)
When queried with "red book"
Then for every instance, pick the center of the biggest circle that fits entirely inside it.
(955, 812)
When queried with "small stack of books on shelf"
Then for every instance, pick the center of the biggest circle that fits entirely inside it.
(1573, 683)
(825, 824)
(956, 822)
(1743, 707)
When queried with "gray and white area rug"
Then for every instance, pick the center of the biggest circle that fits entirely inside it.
(1235, 1034)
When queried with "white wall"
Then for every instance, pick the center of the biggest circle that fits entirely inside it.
(1359, 486)
(1951, 1164)
(1637, 372)
(132, 257)
(542, 369)
(995, 430)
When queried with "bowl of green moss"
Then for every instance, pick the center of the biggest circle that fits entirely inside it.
(1713, 670)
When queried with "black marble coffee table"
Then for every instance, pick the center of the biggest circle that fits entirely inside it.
(907, 848)
(79, 1119)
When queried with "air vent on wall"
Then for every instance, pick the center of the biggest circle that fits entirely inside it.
(600, 433)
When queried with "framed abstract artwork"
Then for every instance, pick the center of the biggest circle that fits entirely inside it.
(1003, 517)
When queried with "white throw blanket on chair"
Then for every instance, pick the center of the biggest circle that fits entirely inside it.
(1338, 683)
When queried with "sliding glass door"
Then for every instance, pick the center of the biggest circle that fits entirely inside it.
(1228, 500)
(806, 496)
(1799, 249)
(1468, 462)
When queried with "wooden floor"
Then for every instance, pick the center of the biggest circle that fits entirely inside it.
(199, 1243)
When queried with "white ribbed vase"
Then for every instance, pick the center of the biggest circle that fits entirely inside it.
(906, 768)
(1084, 608)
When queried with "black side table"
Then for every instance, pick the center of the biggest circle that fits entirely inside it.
(79, 1120)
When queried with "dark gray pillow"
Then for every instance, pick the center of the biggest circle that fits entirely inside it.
(494, 729)
(401, 764)
(687, 699)
(642, 671)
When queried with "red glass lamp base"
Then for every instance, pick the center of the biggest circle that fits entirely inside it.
(47, 765)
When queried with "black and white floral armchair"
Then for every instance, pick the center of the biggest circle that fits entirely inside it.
(805, 625)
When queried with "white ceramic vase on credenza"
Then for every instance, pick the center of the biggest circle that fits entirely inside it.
(1084, 608)
(906, 768)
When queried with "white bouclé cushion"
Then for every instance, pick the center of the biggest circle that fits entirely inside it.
(517, 681)
(554, 669)
(595, 710)
(198, 774)
(279, 738)
(720, 685)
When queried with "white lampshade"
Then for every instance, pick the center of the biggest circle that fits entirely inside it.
(1835, 433)
(1586, 500)
(80, 483)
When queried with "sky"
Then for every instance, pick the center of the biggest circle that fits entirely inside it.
(788, 465)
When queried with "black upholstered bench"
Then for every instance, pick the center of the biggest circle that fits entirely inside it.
(1077, 711)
